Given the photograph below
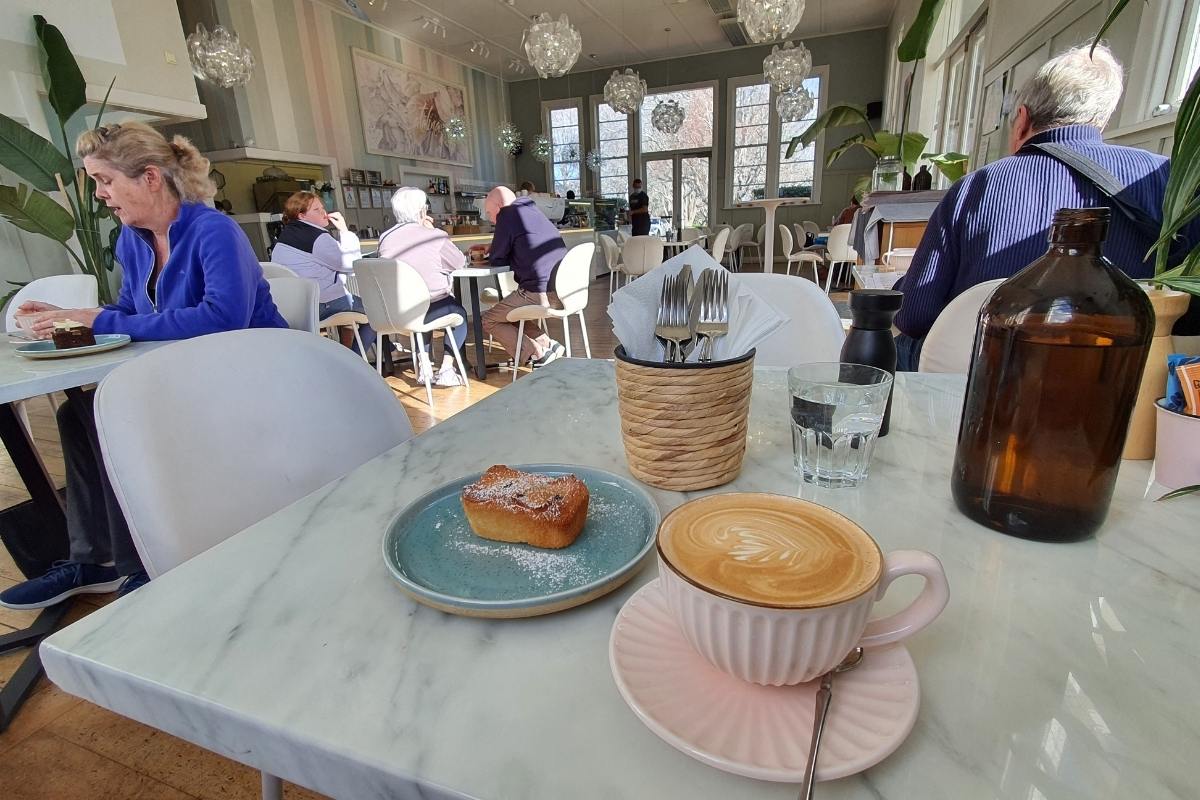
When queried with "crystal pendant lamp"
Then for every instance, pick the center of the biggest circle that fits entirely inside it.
(508, 137)
(787, 66)
(794, 105)
(625, 91)
(769, 20)
(553, 46)
(455, 129)
(540, 148)
(667, 117)
(220, 57)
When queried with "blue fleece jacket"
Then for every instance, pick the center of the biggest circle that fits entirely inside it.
(211, 282)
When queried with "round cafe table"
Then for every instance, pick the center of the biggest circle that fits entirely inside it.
(471, 275)
(768, 206)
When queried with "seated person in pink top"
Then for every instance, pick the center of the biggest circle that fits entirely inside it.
(415, 241)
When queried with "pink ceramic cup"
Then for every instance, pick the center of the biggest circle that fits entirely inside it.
(778, 646)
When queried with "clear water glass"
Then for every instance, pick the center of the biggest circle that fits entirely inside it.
(836, 410)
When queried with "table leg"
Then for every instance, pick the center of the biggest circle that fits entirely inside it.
(769, 240)
(38, 529)
(480, 365)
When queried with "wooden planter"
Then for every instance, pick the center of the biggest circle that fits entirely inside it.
(684, 425)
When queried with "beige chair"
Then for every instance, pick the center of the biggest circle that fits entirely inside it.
(571, 278)
(798, 257)
(755, 242)
(640, 254)
(841, 255)
(296, 299)
(272, 270)
(718, 243)
(813, 331)
(948, 344)
(612, 260)
(690, 234)
(397, 300)
(741, 235)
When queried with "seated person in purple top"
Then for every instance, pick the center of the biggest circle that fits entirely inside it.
(994, 222)
(188, 271)
(415, 241)
(527, 241)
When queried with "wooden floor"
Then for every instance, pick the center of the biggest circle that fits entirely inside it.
(63, 748)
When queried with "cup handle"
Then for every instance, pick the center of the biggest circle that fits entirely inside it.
(924, 609)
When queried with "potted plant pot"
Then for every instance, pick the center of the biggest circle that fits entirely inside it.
(1177, 460)
(1169, 306)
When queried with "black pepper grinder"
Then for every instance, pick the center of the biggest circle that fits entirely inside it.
(869, 340)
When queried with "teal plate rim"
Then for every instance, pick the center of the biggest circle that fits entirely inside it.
(449, 603)
(44, 348)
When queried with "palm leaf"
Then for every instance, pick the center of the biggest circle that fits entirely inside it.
(32, 211)
(1112, 17)
(910, 153)
(1181, 492)
(862, 187)
(4, 301)
(916, 41)
(952, 165)
(839, 116)
(67, 89)
(1184, 181)
(31, 157)
(850, 143)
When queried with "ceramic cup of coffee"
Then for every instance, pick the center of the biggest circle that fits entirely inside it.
(777, 591)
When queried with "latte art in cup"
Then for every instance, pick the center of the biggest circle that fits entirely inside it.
(773, 552)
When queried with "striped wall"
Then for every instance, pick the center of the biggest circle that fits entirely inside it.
(303, 98)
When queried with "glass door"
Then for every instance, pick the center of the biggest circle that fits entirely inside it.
(661, 180)
(678, 186)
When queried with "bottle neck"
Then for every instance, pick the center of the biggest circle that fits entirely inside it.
(1093, 249)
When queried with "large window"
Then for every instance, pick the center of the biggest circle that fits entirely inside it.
(612, 134)
(1187, 56)
(697, 130)
(566, 161)
(959, 104)
(758, 162)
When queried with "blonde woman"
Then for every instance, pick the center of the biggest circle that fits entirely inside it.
(188, 270)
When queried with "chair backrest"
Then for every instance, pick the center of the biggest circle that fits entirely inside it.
(689, 234)
(949, 342)
(736, 236)
(814, 329)
(838, 244)
(640, 254)
(572, 276)
(761, 236)
(718, 243)
(811, 228)
(272, 270)
(64, 291)
(394, 294)
(508, 282)
(297, 301)
(204, 437)
(745, 234)
(785, 235)
(611, 251)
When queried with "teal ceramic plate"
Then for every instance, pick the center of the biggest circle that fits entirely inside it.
(432, 551)
(46, 349)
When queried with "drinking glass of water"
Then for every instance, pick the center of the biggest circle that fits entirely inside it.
(837, 410)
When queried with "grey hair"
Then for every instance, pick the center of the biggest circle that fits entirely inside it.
(408, 203)
(1073, 89)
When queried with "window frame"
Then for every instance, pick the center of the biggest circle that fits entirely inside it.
(595, 101)
(963, 108)
(774, 138)
(555, 105)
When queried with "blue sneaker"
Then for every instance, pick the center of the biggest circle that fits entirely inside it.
(64, 579)
(134, 580)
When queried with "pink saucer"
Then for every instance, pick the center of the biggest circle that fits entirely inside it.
(757, 731)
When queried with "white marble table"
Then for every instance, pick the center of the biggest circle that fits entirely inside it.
(1057, 672)
(38, 526)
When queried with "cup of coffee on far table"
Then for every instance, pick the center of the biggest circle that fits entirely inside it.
(776, 590)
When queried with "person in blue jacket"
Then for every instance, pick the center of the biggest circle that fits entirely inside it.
(189, 270)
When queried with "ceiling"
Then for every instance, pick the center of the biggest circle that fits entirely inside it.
(614, 32)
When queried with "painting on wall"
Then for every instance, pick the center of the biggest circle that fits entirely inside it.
(403, 111)
(349, 197)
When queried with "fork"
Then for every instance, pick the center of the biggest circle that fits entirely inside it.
(714, 312)
(671, 327)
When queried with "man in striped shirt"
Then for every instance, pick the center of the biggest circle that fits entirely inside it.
(994, 222)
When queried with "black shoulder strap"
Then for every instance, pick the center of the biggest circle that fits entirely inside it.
(1111, 188)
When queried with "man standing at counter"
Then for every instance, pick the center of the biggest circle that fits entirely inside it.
(639, 209)
(527, 242)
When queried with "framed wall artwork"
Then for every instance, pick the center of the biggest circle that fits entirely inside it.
(364, 197)
(349, 197)
(377, 198)
(403, 111)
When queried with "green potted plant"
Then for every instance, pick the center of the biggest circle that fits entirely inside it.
(44, 168)
(906, 146)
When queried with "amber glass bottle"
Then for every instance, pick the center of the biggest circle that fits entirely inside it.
(1058, 355)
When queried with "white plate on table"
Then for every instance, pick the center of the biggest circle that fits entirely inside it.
(45, 348)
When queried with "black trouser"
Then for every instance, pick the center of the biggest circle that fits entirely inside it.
(95, 523)
(640, 224)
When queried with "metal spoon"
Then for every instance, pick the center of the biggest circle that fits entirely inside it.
(824, 695)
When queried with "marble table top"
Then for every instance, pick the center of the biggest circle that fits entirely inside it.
(22, 378)
(1056, 672)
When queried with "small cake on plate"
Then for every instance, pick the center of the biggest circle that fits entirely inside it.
(508, 505)
(69, 333)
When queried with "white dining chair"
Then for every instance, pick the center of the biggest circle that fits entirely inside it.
(754, 241)
(741, 234)
(841, 255)
(640, 254)
(798, 257)
(296, 299)
(690, 234)
(397, 299)
(346, 319)
(814, 329)
(612, 261)
(188, 474)
(948, 344)
(571, 278)
(64, 291)
(718, 243)
(272, 270)
(811, 228)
